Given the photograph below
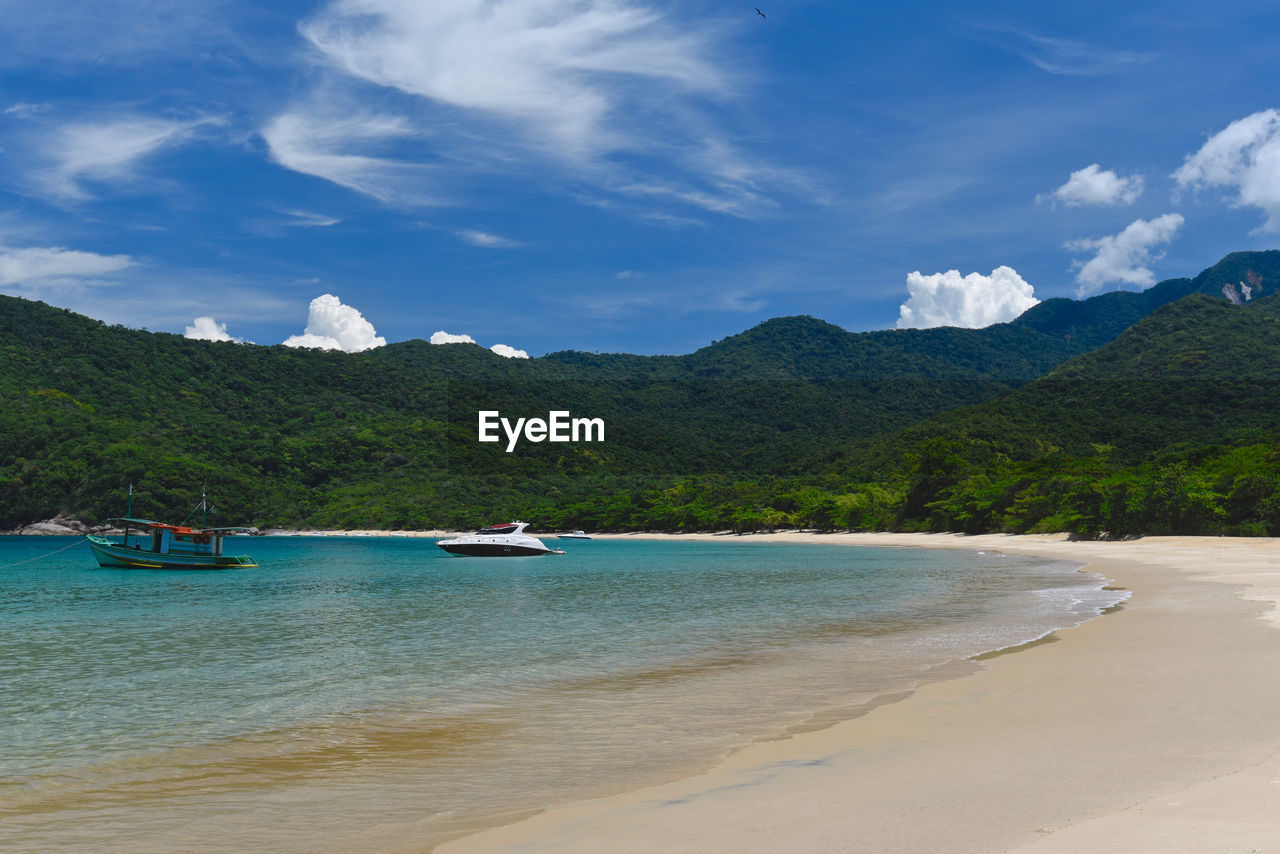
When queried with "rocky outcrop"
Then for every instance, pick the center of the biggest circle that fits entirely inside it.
(61, 526)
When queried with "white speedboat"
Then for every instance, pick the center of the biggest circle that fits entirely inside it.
(507, 540)
(575, 535)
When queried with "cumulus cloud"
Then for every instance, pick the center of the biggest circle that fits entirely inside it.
(33, 265)
(104, 151)
(1124, 257)
(1094, 186)
(208, 329)
(1244, 157)
(972, 301)
(443, 337)
(509, 352)
(333, 147)
(334, 326)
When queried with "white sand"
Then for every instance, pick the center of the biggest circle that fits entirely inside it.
(1156, 728)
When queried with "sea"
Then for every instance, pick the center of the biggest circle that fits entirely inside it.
(376, 694)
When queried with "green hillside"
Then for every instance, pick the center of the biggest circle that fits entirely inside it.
(795, 421)
(1172, 428)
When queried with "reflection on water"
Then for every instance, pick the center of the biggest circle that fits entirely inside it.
(375, 693)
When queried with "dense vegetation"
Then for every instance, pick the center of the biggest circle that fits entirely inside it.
(1149, 412)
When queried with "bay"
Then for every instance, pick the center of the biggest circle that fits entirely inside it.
(375, 693)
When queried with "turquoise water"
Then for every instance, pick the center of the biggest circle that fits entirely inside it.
(374, 693)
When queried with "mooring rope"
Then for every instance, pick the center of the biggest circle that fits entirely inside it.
(79, 540)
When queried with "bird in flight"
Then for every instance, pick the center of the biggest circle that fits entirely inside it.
(761, 14)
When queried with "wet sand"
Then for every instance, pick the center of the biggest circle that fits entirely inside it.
(1154, 728)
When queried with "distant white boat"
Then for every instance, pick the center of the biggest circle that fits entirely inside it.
(575, 535)
(508, 540)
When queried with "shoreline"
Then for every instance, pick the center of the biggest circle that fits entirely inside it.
(1149, 729)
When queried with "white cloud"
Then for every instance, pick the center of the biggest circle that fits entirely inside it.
(509, 352)
(24, 109)
(486, 240)
(1066, 56)
(208, 329)
(105, 151)
(972, 301)
(443, 337)
(34, 265)
(1094, 186)
(1124, 257)
(611, 91)
(308, 219)
(329, 147)
(558, 69)
(334, 326)
(1245, 157)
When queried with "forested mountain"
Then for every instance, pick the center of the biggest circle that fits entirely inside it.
(795, 421)
(1171, 428)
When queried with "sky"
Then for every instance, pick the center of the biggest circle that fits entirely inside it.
(615, 176)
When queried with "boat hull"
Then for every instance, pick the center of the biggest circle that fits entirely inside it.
(494, 549)
(111, 554)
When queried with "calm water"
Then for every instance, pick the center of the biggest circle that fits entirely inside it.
(375, 693)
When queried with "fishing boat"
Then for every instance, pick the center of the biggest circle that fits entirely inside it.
(507, 540)
(159, 545)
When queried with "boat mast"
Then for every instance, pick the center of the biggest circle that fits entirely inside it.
(128, 514)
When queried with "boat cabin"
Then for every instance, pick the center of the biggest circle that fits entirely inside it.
(176, 539)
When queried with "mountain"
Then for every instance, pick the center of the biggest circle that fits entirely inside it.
(762, 424)
(1180, 411)
(1095, 321)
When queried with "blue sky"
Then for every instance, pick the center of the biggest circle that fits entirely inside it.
(621, 176)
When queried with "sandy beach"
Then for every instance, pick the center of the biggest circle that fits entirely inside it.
(1153, 728)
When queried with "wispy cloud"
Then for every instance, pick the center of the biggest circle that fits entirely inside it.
(606, 303)
(1244, 157)
(600, 93)
(558, 69)
(1093, 185)
(70, 156)
(310, 219)
(332, 146)
(1124, 257)
(1063, 56)
(486, 240)
(123, 289)
(35, 271)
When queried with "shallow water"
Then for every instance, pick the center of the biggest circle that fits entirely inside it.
(374, 692)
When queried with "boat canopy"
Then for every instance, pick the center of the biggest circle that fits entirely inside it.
(509, 528)
(148, 523)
